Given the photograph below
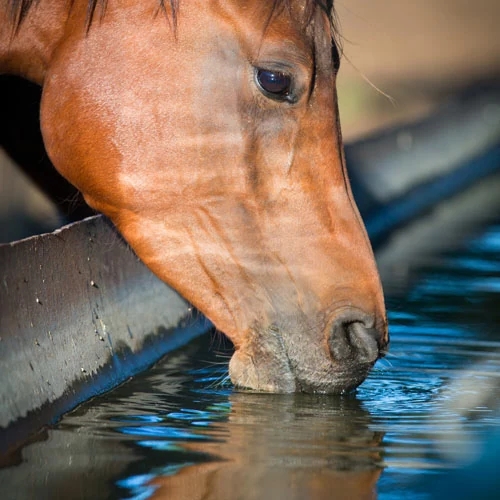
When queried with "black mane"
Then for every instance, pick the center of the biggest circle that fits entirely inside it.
(18, 9)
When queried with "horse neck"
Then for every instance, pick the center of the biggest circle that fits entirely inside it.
(27, 50)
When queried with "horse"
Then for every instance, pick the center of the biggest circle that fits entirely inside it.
(208, 132)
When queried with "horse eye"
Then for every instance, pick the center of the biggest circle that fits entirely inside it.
(274, 84)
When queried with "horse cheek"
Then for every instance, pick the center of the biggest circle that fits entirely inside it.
(74, 138)
(53, 126)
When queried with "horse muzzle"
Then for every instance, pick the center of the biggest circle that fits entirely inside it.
(293, 357)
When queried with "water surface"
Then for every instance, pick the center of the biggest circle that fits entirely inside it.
(180, 431)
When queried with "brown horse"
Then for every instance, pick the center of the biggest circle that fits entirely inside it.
(207, 131)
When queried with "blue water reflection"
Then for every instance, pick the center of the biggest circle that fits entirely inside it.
(405, 414)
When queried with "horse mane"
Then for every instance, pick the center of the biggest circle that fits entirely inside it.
(18, 9)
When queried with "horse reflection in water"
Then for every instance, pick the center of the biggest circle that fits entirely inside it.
(207, 131)
(310, 454)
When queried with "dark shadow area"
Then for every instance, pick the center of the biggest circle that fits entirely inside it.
(21, 139)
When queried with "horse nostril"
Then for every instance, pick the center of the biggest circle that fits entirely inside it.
(354, 339)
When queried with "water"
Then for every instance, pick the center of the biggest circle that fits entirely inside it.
(180, 431)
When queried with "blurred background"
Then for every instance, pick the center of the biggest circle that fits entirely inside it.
(420, 54)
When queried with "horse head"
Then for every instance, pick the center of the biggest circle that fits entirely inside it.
(208, 133)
